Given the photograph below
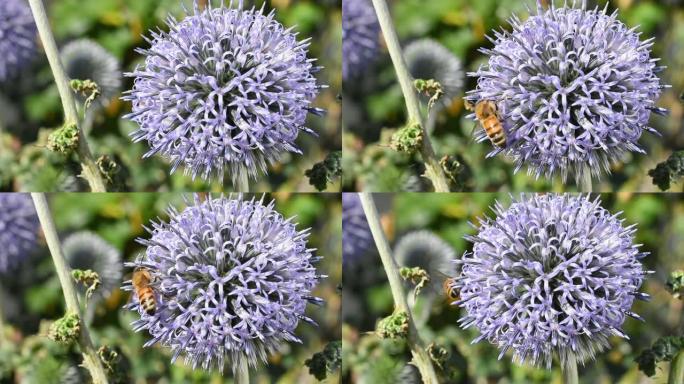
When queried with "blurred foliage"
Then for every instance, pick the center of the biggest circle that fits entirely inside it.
(31, 103)
(367, 297)
(31, 298)
(675, 283)
(669, 171)
(664, 349)
(374, 107)
(326, 171)
(326, 362)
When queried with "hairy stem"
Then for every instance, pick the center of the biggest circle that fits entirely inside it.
(418, 348)
(569, 369)
(91, 172)
(432, 168)
(90, 358)
(677, 369)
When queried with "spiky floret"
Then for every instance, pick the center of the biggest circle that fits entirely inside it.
(18, 36)
(232, 279)
(225, 90)
(19, 229)
(549, 276)
(575, 89)
(360, 37)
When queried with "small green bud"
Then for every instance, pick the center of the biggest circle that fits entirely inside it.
(438, 354)
(87, 88)
(417, 276)
(456, 170)
(394, 326)
(64, 140)
(115, 363)
(408, 139)
(108, 167)
(431, 88)
(109, 357)
(88, 278)
(65, 330)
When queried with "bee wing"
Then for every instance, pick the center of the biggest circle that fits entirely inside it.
(471, 139)
(440, 278)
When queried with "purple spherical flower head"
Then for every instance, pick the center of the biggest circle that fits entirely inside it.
(360, 34)
(356, 234)
(224, 90)
(19, 229)
(550, 275)
(575, 89)
(17, 37)
(232, 279)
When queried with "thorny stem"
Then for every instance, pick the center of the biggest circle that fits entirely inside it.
(433, 170)
(91, 172)
(677, 369)
(90, 358)
(418, 348)
(569, 369)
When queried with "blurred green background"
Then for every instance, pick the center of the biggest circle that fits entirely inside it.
(33, 296)
(374, 107)
(30, 106)
(367, 297)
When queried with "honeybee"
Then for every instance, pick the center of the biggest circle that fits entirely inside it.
(142, 285)
(450, 291)
(487, 113)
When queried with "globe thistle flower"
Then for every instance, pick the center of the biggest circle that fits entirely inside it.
(232, 279)
(356, 234)
(550, 275)
(17, 37)
(428, 251)
(360, 37)
(428, 59)
(86, 250)
(85, 59)
(19, 229)
(224, 89)
(574, 88)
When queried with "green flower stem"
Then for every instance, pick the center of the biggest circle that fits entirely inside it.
(90, 358)
(569, 369)
(242, 183)
(586, 184)
(433, 170)
(677, 369)
(418, 348)
(242, 373)
(91, 172)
